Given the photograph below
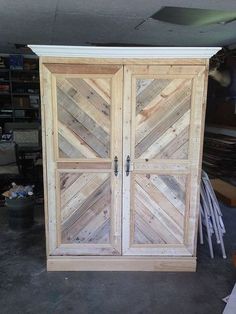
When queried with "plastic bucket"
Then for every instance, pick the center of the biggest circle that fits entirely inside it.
(20, 212)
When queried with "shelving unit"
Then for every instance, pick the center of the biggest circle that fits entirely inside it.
(19, 90)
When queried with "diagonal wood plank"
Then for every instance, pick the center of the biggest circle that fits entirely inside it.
(162, 125)
(100, 146)
(143, 232)
(84, 104)
(73, 108)
(75, 140)
(84, 93)
(139, 232)
(93, 198)
(159, 213)
(173, 184)
(68, 192)
(167, 137)
(90, 218)
(103, 88)
(146, 121)
(166, 206)
(67, 150)
(161, 232)
(168, 193)
(142, 84)
(84, 194)
(147, 91)
(176, 148)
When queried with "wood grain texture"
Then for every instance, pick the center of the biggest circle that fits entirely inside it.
(163, 101)
(121, 263)
(159, 209)
(162, 118)
(84, 119)
(85, 207)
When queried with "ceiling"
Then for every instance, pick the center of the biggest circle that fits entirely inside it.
(106, 22)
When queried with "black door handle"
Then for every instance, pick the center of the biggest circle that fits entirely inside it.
(127, 165)
(116, 166)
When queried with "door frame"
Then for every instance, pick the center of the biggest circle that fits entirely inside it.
(190, 167)
(53, 165)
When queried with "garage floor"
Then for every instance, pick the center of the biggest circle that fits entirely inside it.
(26, 286)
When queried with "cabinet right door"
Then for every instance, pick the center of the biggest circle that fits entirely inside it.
(164, 109)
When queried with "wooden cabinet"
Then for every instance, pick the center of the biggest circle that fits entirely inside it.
(122, 160)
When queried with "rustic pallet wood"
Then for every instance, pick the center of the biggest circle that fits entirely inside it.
(161, 214)
(96, 110)
(118, 263)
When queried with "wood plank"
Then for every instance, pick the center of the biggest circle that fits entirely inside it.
(94, 197)
(77, 141)
(116, 140)
(147, 120)
(102, 87)
(225, 191)
(167, 137)
(49, 163)
(121, 61)
(73, 108)
(101, 146)
(81, 165)
(170, 194)
(195, 155)
(149, 92)
(124, 263)
(77, 182)
(161, 200)
(89, 101)
(75, 68)
(180, 148)
(161, 126)
(67, 150)
(70, 207)
(143, 232)
(163, 226)
(127, 109)
(89, 218)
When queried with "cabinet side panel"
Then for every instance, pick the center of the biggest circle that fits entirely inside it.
(196, 149)
(48, 158)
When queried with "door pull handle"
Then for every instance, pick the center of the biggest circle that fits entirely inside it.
(127, 165)
(116, 166)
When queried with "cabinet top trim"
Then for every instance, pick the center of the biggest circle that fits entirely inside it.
(124, 52)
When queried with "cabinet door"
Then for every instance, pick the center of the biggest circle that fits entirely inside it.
(83, 126)
(163, 122)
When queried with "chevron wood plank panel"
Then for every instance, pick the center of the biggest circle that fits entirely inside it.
(159, 209)
(85, 207)
(84, 117)
(162, 118)
(158, 189)
(100, 113)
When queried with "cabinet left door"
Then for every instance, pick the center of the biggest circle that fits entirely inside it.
(82, 132)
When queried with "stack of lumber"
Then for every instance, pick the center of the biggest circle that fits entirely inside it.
(210, 218)
(219, 157)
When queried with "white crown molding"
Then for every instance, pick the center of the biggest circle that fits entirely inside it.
(124, 52)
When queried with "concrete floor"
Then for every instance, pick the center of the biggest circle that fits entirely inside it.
(26, 286)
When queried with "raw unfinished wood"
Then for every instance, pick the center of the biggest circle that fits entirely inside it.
(123, 263)
(84, 125)
(151, 111)
(225, 191)
(83, 118)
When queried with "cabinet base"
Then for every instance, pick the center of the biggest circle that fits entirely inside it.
(121, 263)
